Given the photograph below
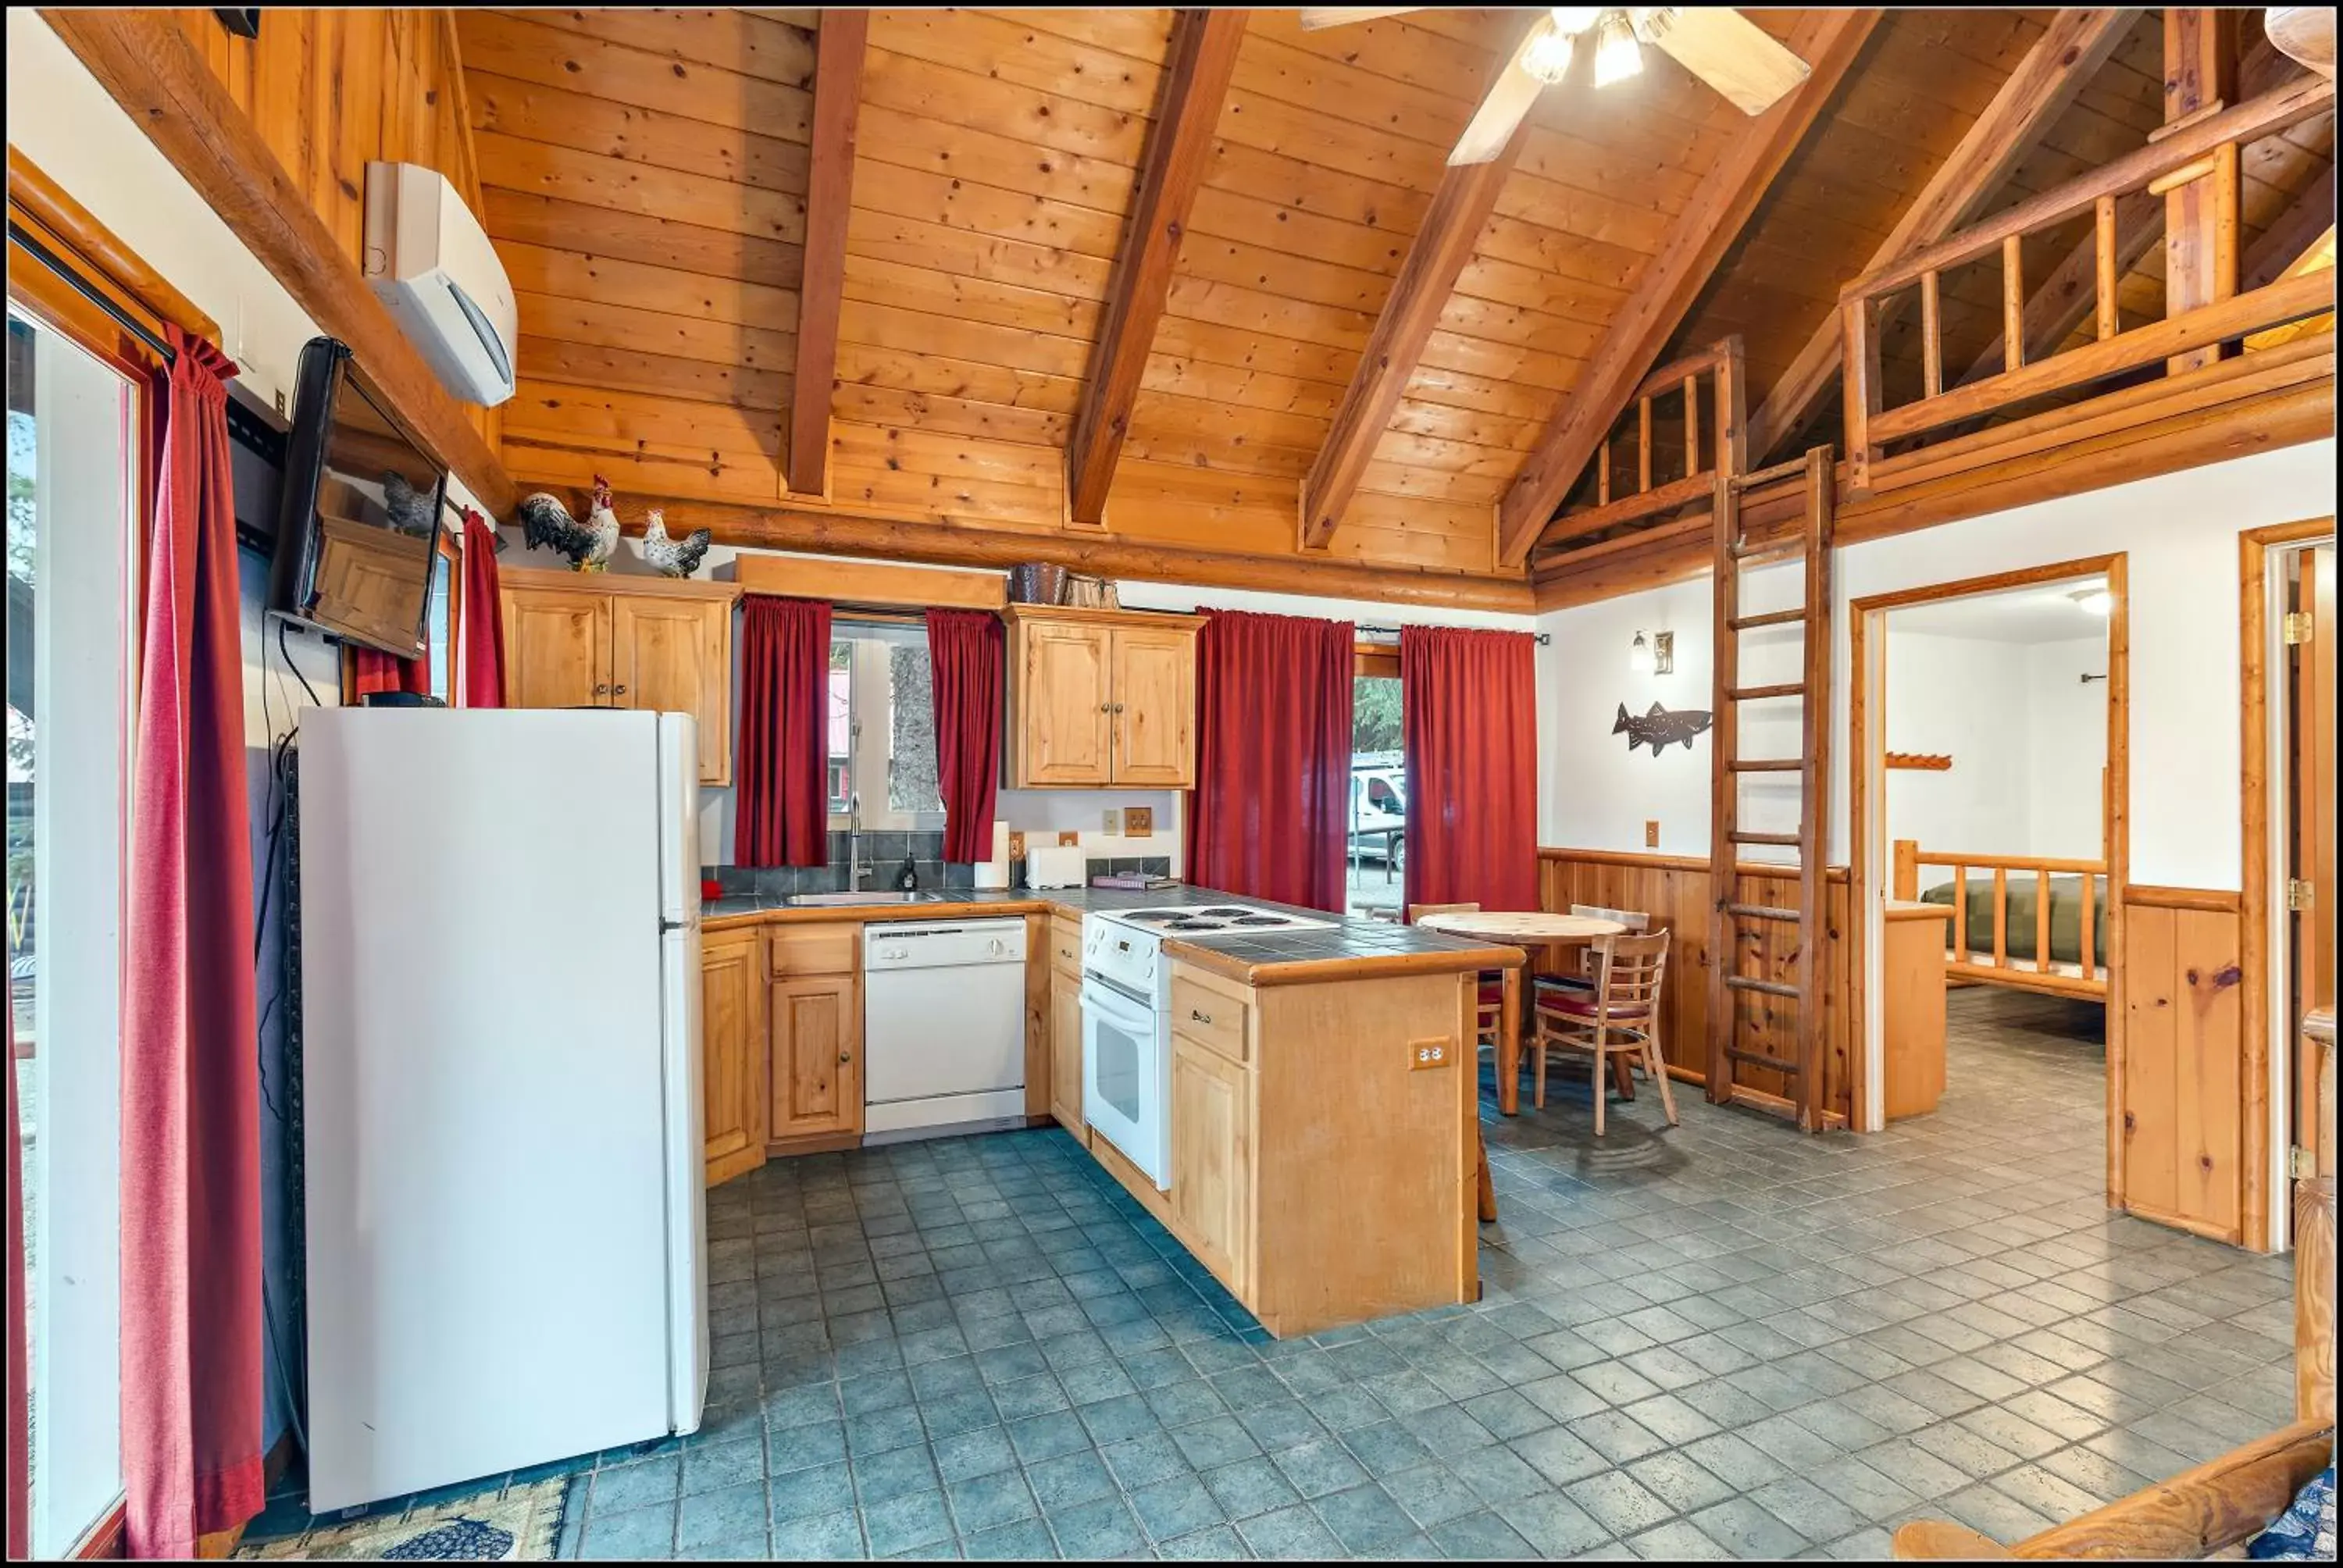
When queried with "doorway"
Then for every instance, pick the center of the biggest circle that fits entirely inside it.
(2287, 617)
(2030, 922)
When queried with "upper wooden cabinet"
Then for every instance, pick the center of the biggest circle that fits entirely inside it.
(579, 641)
(1102, 697)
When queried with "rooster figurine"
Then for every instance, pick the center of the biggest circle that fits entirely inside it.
(546, 522)
(672, 558)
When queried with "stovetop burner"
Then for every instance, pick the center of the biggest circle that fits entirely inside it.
(1210, 919)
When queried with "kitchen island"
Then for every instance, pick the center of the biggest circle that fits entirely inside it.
(1324, 1106)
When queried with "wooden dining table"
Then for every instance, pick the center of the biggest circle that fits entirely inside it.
(1527, 929)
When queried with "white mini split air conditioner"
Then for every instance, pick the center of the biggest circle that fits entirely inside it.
(430, 263)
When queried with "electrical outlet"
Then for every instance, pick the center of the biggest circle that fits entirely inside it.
(1016, 845)
(1113, 818)
(1651, 835)
(1425, 1054)
(1138, 821)
(1068, 839)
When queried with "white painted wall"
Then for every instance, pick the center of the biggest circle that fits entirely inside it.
(2180, 534)
(2069, 737)
(1970, 699)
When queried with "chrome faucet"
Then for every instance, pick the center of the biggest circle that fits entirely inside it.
(856, 868)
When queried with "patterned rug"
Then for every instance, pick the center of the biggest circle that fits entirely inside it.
(518, 1524)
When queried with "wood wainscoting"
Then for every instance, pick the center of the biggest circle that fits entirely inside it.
(2190, 1091)
(1674, 891)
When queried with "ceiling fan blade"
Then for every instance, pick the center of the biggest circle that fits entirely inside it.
(1502, 109)
(1314, 17)
(1729, 53)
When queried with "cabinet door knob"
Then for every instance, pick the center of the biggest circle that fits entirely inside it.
(844, 1057)
(620, 690)
(602, 688)
(1200, 1017)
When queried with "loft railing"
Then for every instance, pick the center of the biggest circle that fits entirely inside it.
(1710, 444)
(2205, 149)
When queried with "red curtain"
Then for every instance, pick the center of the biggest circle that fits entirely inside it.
(484, 617)
(20, 1381)
(1272, 757)
(191, 1259)
(784, 749)
(1469, 716)
(965, 647)
(371, 671)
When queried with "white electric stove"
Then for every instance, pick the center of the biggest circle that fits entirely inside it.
(1126, 1016)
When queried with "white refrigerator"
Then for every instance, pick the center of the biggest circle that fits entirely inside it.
(500, 1101)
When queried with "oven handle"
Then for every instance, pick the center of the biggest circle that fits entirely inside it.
(1120, 1005)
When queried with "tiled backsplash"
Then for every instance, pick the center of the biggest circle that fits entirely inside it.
(884, 852)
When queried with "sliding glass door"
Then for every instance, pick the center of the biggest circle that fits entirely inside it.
(71, 452)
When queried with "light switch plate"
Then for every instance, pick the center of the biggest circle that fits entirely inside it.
(1113, 818)
(1068, 837)
(1425, 1054)
(1652, 835)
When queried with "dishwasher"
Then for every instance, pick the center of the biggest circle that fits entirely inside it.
(943, 1027)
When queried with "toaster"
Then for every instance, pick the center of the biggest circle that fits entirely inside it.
(1055, 866)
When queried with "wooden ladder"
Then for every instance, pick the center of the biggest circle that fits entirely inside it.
(1733, 1041)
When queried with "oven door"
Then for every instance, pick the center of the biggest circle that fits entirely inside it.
(1124, 1077)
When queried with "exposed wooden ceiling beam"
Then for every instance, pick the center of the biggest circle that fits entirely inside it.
(1697, 240)
(1452, 225)
(824, 531)
(152, 68)
(2066, 56)
(1198, 66)
(830, 201)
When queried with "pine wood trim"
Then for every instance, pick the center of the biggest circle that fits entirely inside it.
(640, 585)
(829, 202)
(872, 583)
(2211, 900)
(2066, 56)
(73, 232)
(149, 66)
(1829, 42)
(1198, 68)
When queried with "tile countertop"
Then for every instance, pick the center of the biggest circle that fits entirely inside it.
(1348, 950)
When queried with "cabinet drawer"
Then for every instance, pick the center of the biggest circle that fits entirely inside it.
(1208, 1017)
(1066, 945)
(815, 949)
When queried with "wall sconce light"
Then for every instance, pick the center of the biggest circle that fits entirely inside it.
(1655, 655)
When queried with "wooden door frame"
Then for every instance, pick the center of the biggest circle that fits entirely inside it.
(2262, 1223)
(1866, 749)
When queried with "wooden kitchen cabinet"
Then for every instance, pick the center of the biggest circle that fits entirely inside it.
(816, 1026)
(651, 643)
(1066, 1050)
(732, 1052)
(1100, 697)
(1213, 1159)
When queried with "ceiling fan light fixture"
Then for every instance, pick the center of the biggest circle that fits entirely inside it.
(1617, 55)
(1548, 55)
(1570, 21)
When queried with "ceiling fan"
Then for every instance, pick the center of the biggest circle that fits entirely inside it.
(1719, 45)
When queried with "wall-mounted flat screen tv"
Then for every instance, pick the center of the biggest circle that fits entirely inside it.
(359, 524)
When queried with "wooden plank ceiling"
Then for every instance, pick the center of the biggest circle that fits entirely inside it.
(645, 176)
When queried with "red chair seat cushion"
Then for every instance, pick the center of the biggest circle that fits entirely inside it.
(1492, 993)
(1581, 1004)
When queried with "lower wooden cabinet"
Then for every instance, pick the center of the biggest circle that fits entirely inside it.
(815, 1023)
(1066, 1048)
(1212, 1160)
(732, 1053)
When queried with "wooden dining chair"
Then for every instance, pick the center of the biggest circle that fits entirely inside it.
(1637, 920)
(1621, 1015)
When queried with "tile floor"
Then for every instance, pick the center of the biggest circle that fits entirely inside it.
(1719, 1340)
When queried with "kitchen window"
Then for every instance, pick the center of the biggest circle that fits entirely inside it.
(883, 727)
(1376, 844)
(73, 450)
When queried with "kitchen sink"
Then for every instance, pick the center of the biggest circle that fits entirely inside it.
(892, 896)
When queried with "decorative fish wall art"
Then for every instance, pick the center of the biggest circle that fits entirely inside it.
(1659, 729)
